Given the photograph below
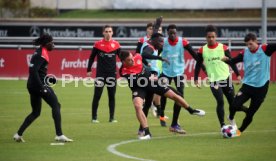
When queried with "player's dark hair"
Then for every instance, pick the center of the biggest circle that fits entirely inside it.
(171, 26)
(43, 39)
(124, 54)
(156, 35)
(210, 28)
(250, 36)
(107, 26)
(150, 24)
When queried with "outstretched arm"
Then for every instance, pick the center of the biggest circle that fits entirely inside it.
(147, 54)
(139, 46)
(233, 66)
(270, 49)
(157, 24)
(235, 60)
(191, 51)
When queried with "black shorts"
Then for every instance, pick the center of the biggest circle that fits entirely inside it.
(152, 88)
(257, 93)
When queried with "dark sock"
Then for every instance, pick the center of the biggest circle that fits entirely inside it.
(159, 111)
(190, 110)
(141, 128)
(176, 112)
(147, 132)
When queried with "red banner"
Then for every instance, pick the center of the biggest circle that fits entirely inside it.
(14, 63)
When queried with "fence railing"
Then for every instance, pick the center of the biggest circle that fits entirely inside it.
(126, 43)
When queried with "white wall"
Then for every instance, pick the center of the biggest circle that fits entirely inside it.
(153, 4)
(73, 4)
(43, 3)
(191, 4)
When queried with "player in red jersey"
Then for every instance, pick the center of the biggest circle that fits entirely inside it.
(105, 50)
(143, 84)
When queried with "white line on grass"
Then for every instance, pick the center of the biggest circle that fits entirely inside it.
(112, 148)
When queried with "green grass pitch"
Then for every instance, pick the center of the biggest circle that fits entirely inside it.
(202, 143)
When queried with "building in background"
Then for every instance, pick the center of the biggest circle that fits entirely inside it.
(152, 4)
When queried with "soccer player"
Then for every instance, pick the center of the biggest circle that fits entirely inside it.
(217, 70)
(155, 107)
(142, 84)
(39, 89)
(150, 49)
(106, 51)
(256, 60)
(173, 50)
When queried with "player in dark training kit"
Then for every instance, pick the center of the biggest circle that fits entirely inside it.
(106, 51)
(38, 88)
(143, 84)
(256, 59)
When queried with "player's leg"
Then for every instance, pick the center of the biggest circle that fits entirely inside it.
(179, 83)
(218, 94)
(51, 99)
(35, 99)
(148, 100)
(146, 107)
(229, 92)
(98, 90)
(138, 105)
(163, 100)
(257, 99)
(241, 97)
(111, 89)
(157, 104)
(138, 96)
(171, 93)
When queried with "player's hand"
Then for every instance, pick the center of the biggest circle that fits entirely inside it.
(89, 74)
(159, 21)
(225, 59)
(149, 65)
(198, 85)
(166, 60)
(239, 79)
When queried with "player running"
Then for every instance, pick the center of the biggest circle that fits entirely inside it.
(39, 88)
(256, 59)
(217, 70)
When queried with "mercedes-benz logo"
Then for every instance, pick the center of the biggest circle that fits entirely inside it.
(121, 31)
(34, 31)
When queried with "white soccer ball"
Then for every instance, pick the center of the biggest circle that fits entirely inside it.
(228, 131)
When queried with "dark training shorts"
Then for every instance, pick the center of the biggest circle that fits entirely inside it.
(155, 88)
